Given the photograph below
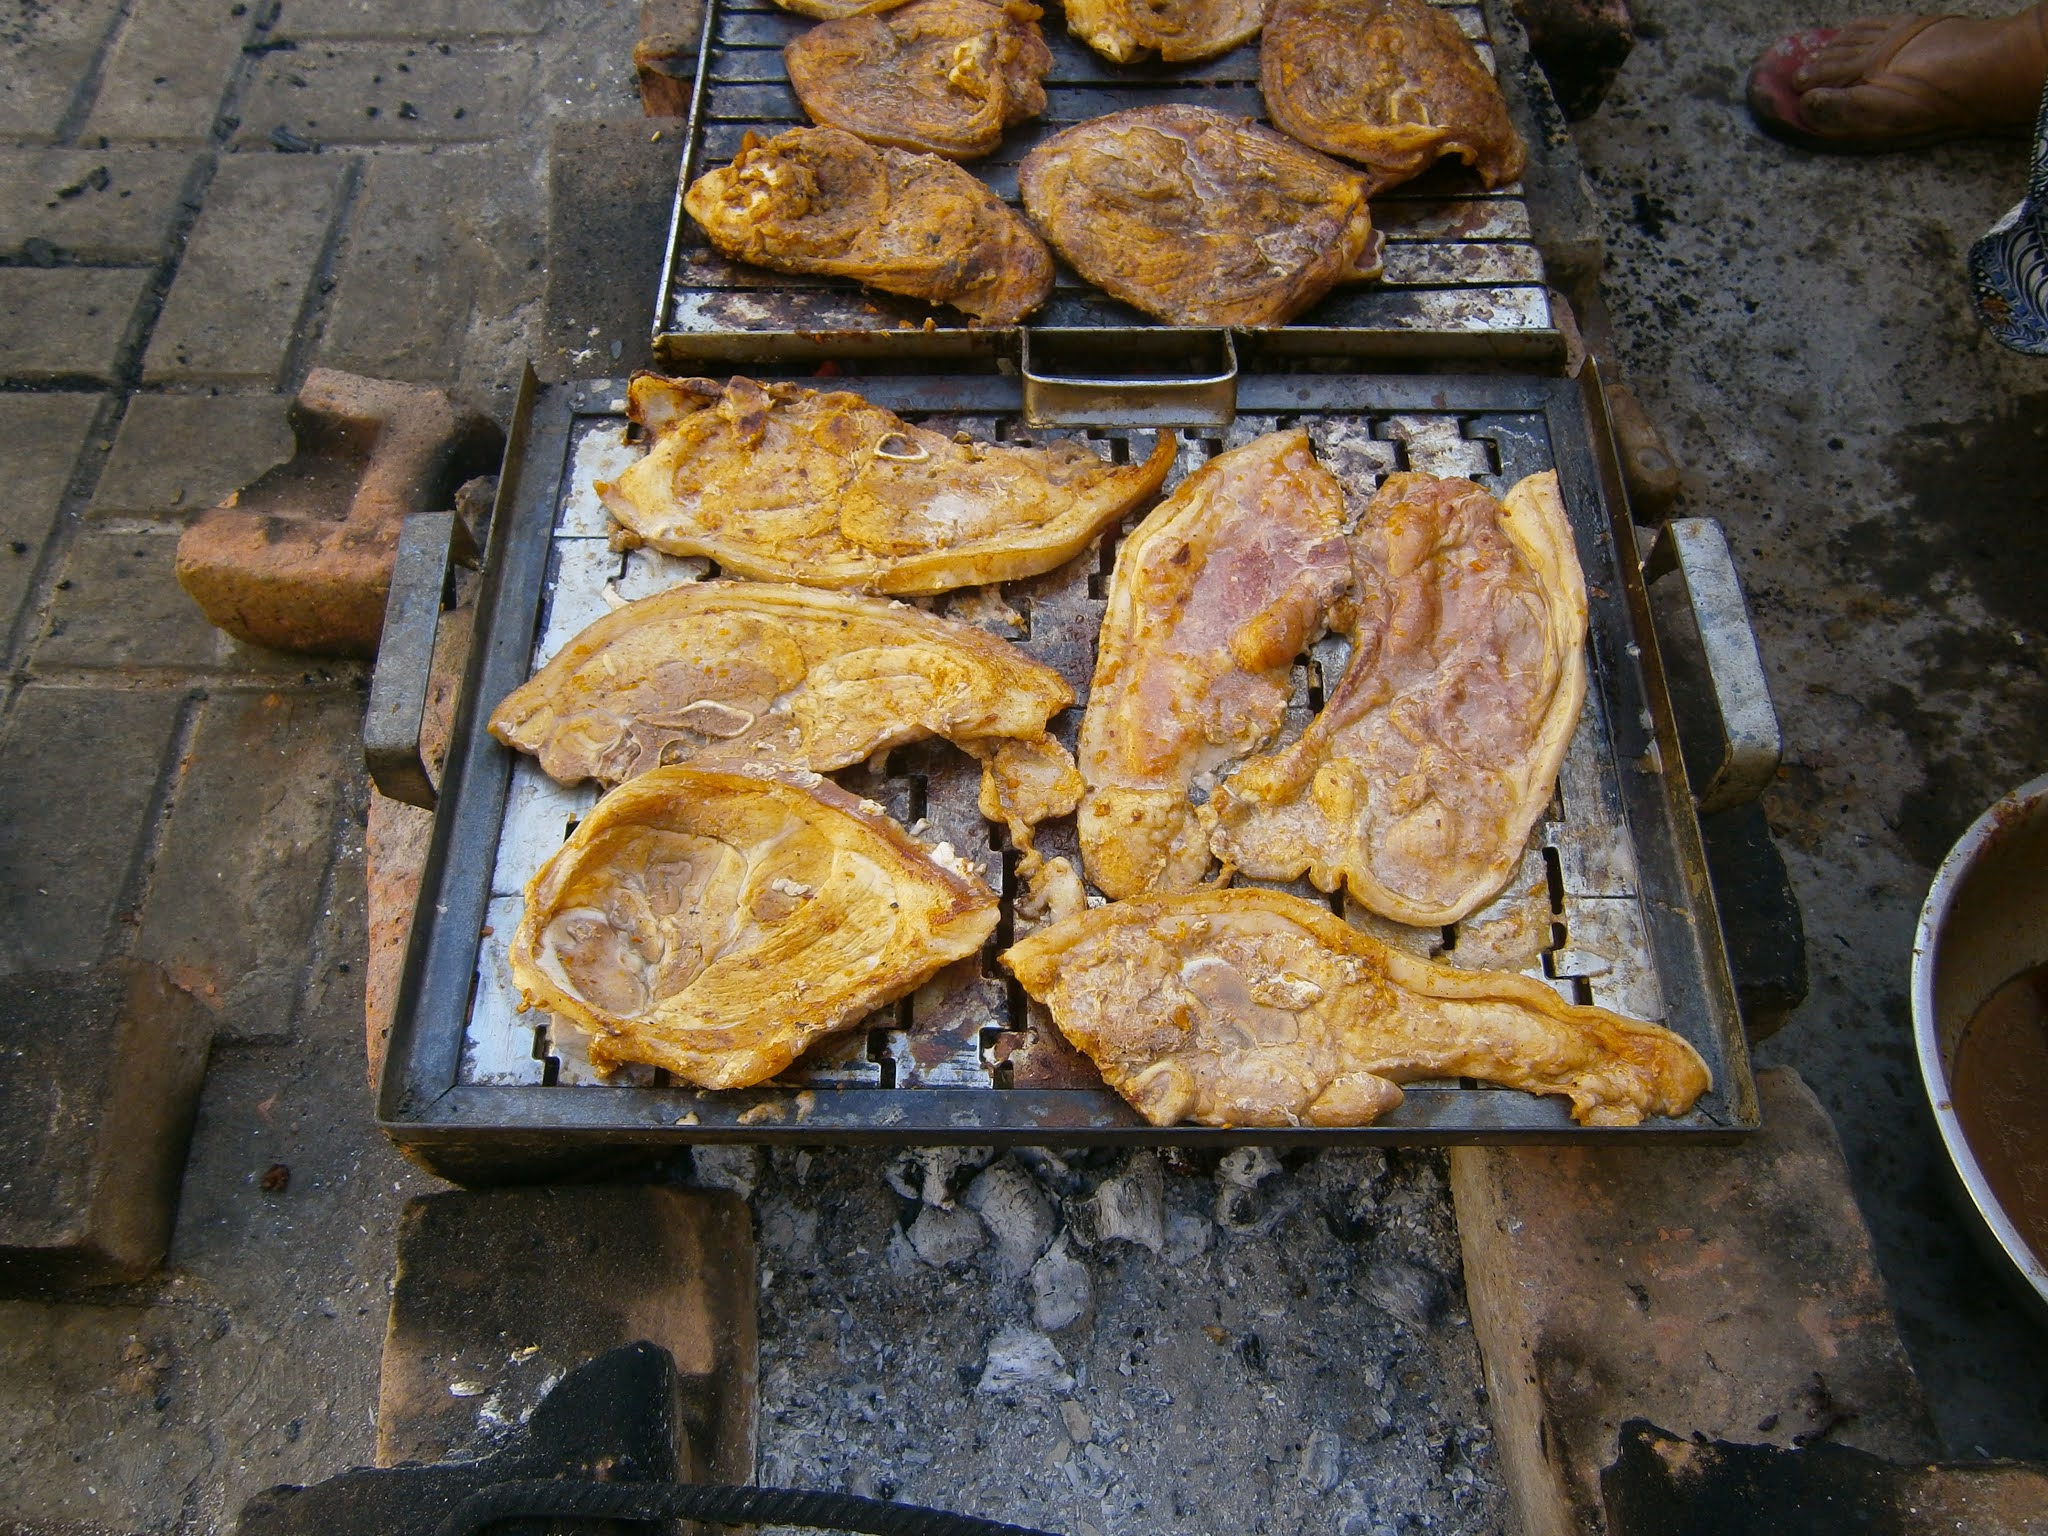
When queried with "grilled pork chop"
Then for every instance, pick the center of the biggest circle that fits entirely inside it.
(729, 672)
(822, 200)
(1198, 218)
(945, 77)
(782, 483)
(838, 10)
(1418, 783)
(1124, 31)
(720, 924)
(1214, 595)
(1250, 1007)
(1391, 84)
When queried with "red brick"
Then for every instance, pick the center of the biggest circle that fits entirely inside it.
(1725, 1291)
(301, 560)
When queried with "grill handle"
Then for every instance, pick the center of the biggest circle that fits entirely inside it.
(1696, 549)
(429, 546)
(1165, 399)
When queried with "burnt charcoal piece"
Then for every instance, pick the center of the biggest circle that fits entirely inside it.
(1199, 218)
(944, 77)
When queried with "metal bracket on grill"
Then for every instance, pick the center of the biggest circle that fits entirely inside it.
(1749, 746)
(430, 544)
(1164, 399)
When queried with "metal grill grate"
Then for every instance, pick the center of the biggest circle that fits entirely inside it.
(1461, 274)
(1575, 916)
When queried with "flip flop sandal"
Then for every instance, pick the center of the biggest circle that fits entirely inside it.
(1775, 102)
(2009, 265)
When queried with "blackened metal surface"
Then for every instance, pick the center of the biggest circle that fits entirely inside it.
(1613, 905)
(1462, 278)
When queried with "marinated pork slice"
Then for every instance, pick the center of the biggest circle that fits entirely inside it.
(1419, 782)
(1124, 31)
(729, 672)
(838, 10)
(781, 483)
(1198, 218)
(822, 200)
(1392, 84)
(944, 77)
(720, 924)
(1254, 1008)
(1214, 595)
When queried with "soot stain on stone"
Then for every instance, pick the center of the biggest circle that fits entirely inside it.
(1651, 214)
(1978, 494)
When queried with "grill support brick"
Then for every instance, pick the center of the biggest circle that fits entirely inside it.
(301, 560)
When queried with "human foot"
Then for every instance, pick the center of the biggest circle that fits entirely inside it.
(1901, 82)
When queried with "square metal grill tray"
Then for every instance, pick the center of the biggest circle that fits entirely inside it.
(1612, 904)
(1463, 279)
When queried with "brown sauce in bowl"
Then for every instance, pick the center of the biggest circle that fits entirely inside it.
(1998, 1082)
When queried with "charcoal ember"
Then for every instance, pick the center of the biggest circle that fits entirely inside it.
(1406, 1292)
(1016, 1213)
(934, 1174)
(1131, 1207)
(1061, 1290)
(737, 1168)
(944, 1237)
(1024, 1364)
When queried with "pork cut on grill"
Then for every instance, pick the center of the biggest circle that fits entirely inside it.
(1124, 31)
(1392, 84)
(944, 77)
(1198, 218)
(823, 200)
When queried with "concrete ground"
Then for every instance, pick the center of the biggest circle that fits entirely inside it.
(171, 263)
(1800, 327)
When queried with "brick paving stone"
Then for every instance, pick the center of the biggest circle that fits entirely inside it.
(118, 605)
(78, 777)
(77, 1381)
(438, 245)
(390, 93)
(99, 1079)
(610, 187)
(66, 322)
(451, 20)
(45, 53)
(169, 69)
(178, 455)
(43, 434)
(496, 1287)
(235, 889)
(98, 205)
(235, 306)
(1725, 1291)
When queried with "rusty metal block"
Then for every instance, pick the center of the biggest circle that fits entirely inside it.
(301, 560)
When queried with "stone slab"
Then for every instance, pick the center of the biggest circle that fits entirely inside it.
(1727, 1291)
(43, 434)
(78, 778)
(78, 1379)
(254, 254)
(169, 69)
(118, 606)
(438, 20)
(178, 455)
(499, 1293)
(441, 253)
(99, 1080)
(389, 93)
(237, 884)
(46, 51)
(610, 190)
(1670, 1485)
(66, 322)
(96, 205)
